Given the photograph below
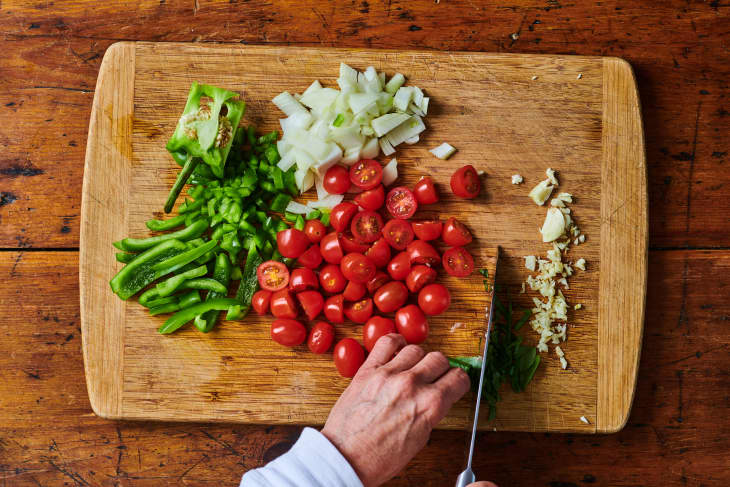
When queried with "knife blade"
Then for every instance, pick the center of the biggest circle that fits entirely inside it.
(467, 476)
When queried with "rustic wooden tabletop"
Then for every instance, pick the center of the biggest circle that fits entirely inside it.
(678, 432)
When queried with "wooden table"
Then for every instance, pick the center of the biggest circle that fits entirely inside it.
(678, 432)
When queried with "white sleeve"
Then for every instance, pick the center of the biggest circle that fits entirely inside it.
(312, 462)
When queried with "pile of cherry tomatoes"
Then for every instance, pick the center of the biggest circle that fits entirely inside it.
(365, 265)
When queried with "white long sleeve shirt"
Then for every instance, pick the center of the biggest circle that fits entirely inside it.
(312, 462)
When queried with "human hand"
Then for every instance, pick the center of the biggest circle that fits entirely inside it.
(386, 414)
(482, 483)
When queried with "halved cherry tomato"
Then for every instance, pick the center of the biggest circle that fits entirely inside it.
(311, 302)
(366, 174)
(425, 191)
(292, 242)
(465, 182)
(331, 249)
(421, 252)
(427, 229)
(351, 244)
(358, 268)
(260, 301)
(283, 304)
(302, 279)
(420, 276)
(272, 275)
(376, 327)
(379, 253)
(367, 226)
(315, 230)
(311, 258)
(289, 333)
(331, 279)
(400, 266)
(401, 203)
(412, 324)
(371, 199)
(434, 299)
(398, 233)
(379, 279)
(321, 337)
(359, 311)
(334, 308)
(390, 296)
(348, 356)
(354, 291)
(341, 215)
(455, 233)
(337, 180)
(458, 262)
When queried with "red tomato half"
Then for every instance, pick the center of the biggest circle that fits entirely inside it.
(398, 233)
(401, 203)
(272, 275)
(366, 174)
(379, 253)
(371, 199)
(341, 215)
(427, 229)
(420, 276)
(400, 266)
(354, 291)
(331, 279)
(292, 242)
(348, 356)
(311, 302)
(321, 337)
(458, 262)
(434, 299)
(289, 333)
(376, 327)
(311, 258)
(337, 180)
(357, 268)
(351, 244)
(367, 226)
(331, 249)
(283, 305)
(390, 296)
(421, 252)
(315, 230)
(412, 324)
(465, 182)
(334, 308)
(302, 279)
(260, 301)
(378, 280)
(359, 311)
(455, 233)
(425, 191)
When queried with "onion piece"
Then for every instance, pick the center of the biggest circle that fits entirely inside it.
(370, 150)
(297, 208)
(330, 201)
(386, 146)
(444, 151)
(390, 172)
(394, 83)
(384, 124)
(288, 104)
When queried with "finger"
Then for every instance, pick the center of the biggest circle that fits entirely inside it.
(445, 392)
(384, 349)
(482, 483)
(409, 356)
(431, 367)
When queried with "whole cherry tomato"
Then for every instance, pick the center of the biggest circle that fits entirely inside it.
(311, 302)
(367, 226)
(366, 174)
(371, 199)
(354, 291)
(390, 296)
(434, 299)
(425, 191)
(314, 230)
(334, 308)
(351, 244)
(359, 311)
(412, 324)
(378, 280)
(260, 301)
(302, 279)
(337, 180)
(379, 252)
(420, 276)
(321, 337)
(398, 233)
(401, 203)
(358, 268)
(458, 262)
(283, 304)
(272, 275)
(421, 252)
(400, 266)
(341, 215)
(289, 333)
(331, 249)
(374, 328)
(311, 258)
(427, 229)
(455, 233)
(292, 242)
(331, 279)
(465, 182)
(348, 356)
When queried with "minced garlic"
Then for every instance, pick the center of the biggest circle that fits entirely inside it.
(541, 192)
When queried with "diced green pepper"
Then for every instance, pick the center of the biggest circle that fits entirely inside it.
(280, 202)
(183, 316)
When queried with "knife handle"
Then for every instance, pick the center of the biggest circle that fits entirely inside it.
(465, 478)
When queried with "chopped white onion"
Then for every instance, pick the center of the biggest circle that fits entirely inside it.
(370, 150)
(410, 128)
(288, 104)
(286, 162)
(384, 124)
(330, 201)
(394, 83)
(403, 97)
(390, 172)
(386, 146)
(298, 208)
(444, 151)
(412, 140)
(351, 156)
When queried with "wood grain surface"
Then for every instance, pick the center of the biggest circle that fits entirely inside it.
(676, 434)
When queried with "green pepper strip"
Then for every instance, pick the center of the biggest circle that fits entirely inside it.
(222, 277)
(143, 270)
(181, 317)
(138, 244)
(169, 286)
(189, 299)
(174, 263)
(124, 257)
(160, 225)
(249, 282)
(182, 177)
(164, 308)
(154, 303)
(204, 283)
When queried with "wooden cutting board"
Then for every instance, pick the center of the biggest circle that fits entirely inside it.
(506, 114)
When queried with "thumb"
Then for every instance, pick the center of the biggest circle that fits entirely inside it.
(482, 484)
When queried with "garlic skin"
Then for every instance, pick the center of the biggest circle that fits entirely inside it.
(541, 192)
(554, 225)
